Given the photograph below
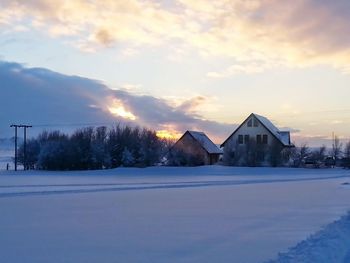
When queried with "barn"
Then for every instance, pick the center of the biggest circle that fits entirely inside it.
(194, 148)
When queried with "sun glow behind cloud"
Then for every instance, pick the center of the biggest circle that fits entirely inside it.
(213, 55)
(168, 134)
(119, 110)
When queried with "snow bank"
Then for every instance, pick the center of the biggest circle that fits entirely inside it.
(332, 244)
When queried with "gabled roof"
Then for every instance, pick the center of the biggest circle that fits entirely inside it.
(282, 136)
(204, 141)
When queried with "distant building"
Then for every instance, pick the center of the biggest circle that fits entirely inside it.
(257, 137)
(194, 148)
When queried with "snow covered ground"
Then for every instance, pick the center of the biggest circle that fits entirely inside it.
(163, 214)
(331, 244)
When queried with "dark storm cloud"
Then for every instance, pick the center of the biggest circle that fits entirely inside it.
(42, 97)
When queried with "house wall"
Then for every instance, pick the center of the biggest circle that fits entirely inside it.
(252, 132)
(214, 158)
(189, 145)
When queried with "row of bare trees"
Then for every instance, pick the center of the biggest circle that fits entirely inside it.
(253, 154)
(101, 148)
(94, 148)
(337, 155)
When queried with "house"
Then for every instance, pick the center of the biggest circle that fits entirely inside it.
(258, 139)
(194, 148)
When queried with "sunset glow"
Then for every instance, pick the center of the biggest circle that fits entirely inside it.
(171, 135)
(121, 112)
(175, 131)
(194, 65)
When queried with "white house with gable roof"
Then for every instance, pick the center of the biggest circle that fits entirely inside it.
(260, 132)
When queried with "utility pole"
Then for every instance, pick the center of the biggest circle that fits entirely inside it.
(15, 126)
(25, 145)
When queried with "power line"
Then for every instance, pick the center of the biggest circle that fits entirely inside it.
(73, 124)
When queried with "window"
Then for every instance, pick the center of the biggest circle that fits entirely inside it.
(255, 123)
(240, 139)
(264, 140)
(258, 139)
(246, 139)
(249, 124)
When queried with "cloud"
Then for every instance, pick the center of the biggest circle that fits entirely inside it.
(104, 37)
(295, 34)
(160, 114)
(291, 130)
(40, 96)
(192, 103)
(48, 99)
(311, 140)
(248, 68)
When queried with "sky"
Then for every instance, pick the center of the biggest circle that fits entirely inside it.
(178, 65)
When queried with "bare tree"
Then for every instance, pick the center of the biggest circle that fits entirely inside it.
(347, 150)
(319, 155)
(286, 155)
(346, 162)
(300, 154)
(233, 154)
(336, 148)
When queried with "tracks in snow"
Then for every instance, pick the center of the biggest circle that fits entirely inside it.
(56, 189)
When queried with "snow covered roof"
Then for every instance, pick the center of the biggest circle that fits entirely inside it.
(283, 136)
(205, 142)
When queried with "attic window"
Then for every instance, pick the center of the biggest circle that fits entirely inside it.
(249, 124)
(255, 122)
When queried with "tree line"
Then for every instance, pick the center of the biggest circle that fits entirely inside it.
(125, 146)
(254, 154)
(94, 148)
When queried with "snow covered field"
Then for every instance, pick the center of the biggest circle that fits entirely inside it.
(163, 214)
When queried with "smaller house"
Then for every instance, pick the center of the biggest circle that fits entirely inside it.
(194, 148)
